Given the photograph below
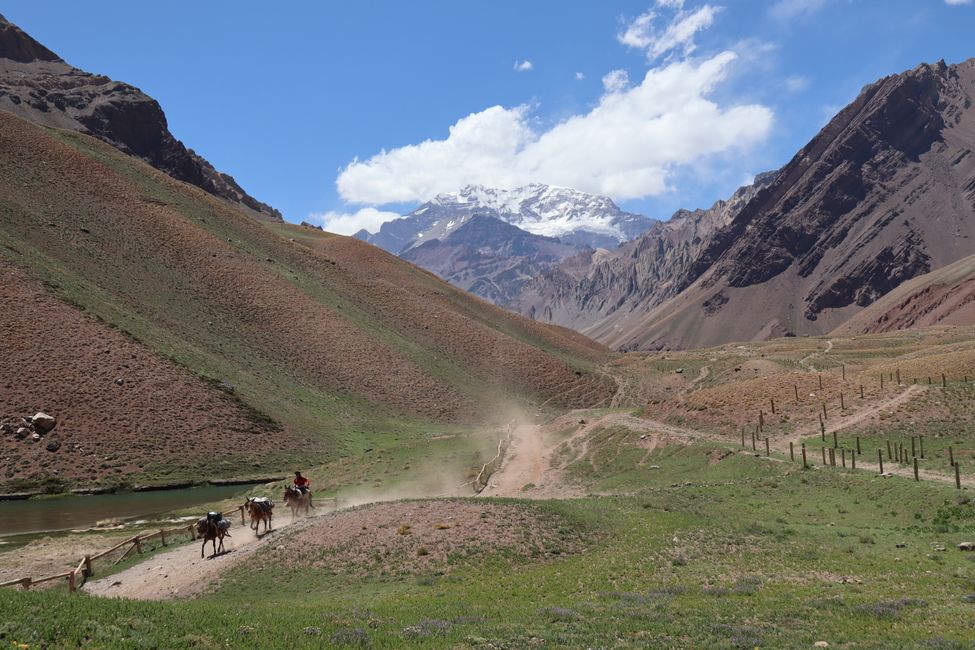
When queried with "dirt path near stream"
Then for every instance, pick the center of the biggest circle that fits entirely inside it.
(181, 572)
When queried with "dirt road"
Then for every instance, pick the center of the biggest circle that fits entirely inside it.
(181, 573)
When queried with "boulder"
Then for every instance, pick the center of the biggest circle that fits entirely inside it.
(35, 437)
(22, 432)
(53, 446)
(43, 422)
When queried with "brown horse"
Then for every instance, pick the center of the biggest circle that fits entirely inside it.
(297, 500)
(260, 509)
(209, 529)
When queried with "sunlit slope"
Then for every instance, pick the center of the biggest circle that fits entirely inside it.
(322, 333)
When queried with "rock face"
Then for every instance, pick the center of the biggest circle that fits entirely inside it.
(35, 84)
(637, 276)
(488, 257)
(883, 194)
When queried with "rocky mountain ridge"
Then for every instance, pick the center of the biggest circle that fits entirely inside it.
(637, 275)
(37, 85)
(884, 193)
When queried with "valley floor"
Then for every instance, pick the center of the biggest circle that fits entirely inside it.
(646, 524)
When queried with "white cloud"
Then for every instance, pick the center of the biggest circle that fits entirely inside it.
(345, 223)
(786, 10)
(797, 83)
(677, 35)
(955, 3)
(626, 147)
(523, 66)
(615, 80)
(580, 76)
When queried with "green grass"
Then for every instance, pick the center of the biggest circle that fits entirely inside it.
(741, 552)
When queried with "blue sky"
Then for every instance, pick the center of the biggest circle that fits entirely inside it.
(661, 104)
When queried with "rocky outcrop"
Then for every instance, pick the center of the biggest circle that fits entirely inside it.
(37, 85)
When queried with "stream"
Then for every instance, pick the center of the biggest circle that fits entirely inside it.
(74, 511)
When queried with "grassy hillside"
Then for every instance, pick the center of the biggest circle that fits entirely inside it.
(339, 344)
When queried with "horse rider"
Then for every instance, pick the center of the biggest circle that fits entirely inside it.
(303, 485)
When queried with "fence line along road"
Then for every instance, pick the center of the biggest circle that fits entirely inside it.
(77, 576)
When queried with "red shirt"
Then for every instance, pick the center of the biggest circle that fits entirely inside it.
(302, 482)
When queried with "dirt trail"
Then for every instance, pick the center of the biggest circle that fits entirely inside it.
(703, 374)
(858, 417)
(535, 464)
(181, 573)
(804, 362)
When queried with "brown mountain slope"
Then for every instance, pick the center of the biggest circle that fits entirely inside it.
(942, 297)
(40, 87)
(341, 343)
(884, 193)
(121, 409)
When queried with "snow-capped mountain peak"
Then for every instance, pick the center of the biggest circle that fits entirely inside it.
(546, 210)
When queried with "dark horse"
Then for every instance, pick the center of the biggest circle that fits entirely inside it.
(211, 528)
(297, 500)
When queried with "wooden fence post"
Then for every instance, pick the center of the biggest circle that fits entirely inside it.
(858, 445)
(880, 460)
(842, 404)
(767, 452)
(162, 536)
(820, 382)
(792, 454)
(138, 544)
(915, 469)
(920, 439)
(957, 477)
(889, 455)
(832, 457)
(772, 401)
(951, 456)
(822, 428)
(26, 582)
(761, 420)
(843, 367)
(944, 381)
(853, 459)
(824, 412)
(913, 447)
(843, 456)
(795, 387)
(88, 572)
(861, 391)
(753, 441)
(898, 376)
(743, 437)
(804, 463)
(824, 456)
(835, 443)
(71, 584)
